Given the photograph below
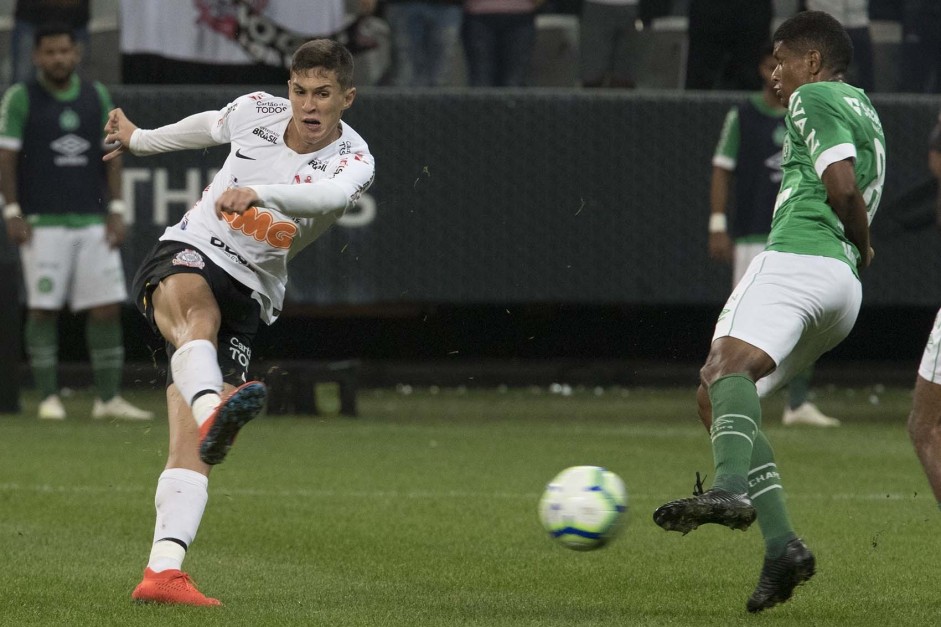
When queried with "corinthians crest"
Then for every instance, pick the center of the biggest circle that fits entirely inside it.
(189, 258)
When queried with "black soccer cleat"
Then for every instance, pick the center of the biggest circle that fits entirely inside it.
(735, 511)
(781, 575)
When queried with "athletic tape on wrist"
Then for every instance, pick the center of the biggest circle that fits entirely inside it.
(118, 207)
(12, 210)
(717, 223)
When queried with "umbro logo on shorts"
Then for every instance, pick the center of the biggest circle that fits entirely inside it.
(238, 153)
(189, 258)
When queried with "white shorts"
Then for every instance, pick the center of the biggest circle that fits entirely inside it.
(930, 367)
(744, 254)
(74, 265)
(793, 307)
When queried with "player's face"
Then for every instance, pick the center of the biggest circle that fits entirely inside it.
(793, 70)
(317, 102)
(766, 69)
(56, 57)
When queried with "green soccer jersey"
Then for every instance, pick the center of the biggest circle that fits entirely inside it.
(14, 109)
(826, 122)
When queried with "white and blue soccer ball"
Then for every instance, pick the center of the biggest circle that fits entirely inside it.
(584, 507)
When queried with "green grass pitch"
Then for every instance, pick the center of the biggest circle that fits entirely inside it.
(423, 512)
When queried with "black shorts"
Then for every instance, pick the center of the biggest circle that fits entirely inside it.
(241, 313)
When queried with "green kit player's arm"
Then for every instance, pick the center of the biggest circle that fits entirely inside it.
(847, 202)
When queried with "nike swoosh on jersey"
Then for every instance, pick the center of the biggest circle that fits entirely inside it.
(238, 153)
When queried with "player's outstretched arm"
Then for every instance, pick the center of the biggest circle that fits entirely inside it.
(301, 201)
(338, 193)
(305, 201)
(191, 132)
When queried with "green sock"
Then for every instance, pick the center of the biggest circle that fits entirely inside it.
(106, 349)
(768, 497)
(42, 345)
(736, 418)
(799, 388)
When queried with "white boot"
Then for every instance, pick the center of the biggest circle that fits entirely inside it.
(120, 409)
(808, 414)
(51, 408)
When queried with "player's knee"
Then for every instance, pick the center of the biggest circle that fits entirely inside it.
(712, 370)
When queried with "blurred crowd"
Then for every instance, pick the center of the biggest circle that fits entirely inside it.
(440, 43)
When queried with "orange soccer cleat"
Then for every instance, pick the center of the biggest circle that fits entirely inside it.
(217, 434)
(170, 586)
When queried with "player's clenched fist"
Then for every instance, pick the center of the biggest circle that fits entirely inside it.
(236, 200)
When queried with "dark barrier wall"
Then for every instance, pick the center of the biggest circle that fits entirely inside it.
(533, 196)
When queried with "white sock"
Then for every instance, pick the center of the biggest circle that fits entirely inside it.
(166, 555)
(204, 406)
(180, 501)
(195, 369)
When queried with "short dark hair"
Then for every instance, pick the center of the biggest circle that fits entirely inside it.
(816, 30)
(327, 54)
(52, 29)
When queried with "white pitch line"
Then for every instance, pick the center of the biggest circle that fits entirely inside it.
(395, 494)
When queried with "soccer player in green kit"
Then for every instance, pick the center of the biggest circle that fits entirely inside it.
(797, 300)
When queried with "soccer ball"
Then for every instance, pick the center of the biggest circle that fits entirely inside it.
(583, 507)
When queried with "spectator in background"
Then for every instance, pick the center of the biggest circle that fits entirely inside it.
(425, 36)
(749, 151)
(64, 210)
(243, 42)
(725, 40)
(854, 15)
(924, 422)
(28, 15)
(608, 43)
(499, 37)
(920, 58)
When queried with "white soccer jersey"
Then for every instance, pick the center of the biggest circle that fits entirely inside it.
(255, 247)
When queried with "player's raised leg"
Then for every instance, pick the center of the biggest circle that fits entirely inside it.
(733, 417)
(738, 417)
(186, 312)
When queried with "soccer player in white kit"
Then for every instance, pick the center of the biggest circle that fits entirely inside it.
(798, 299)
(293, 169)
(924, 422)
